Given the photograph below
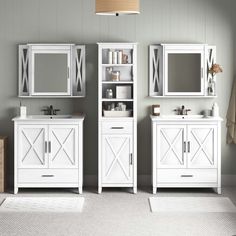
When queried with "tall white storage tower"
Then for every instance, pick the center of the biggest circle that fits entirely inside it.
(117, 115)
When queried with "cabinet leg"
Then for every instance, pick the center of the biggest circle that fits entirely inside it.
(99, 190)
(218, 190)
(15, 190)
(154, 190)
(80, 190)
(134, 190)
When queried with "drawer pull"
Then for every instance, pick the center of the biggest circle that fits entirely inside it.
(47, 175)
(117, 127)
(186, 176)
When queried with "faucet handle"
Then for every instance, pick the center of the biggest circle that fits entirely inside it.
(55, 111)
(177, 110)
(187, 110)
(45, 109)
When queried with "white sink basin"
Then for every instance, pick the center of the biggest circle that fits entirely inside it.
(50, 117)
(182, 116)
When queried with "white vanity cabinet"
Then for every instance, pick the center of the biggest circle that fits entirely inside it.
(48, 152)
(186, 152)
(117, 115)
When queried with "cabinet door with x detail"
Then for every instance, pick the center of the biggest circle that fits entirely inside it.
(63, 146)
(201, 146)
(117, 159)
(171, 146)
(32, 146)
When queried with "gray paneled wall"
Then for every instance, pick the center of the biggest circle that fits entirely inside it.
(74, 21)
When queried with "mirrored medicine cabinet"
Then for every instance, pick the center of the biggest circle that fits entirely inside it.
(180, 70)
(51, 70)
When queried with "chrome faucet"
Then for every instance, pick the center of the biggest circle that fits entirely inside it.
(182, 111)
(49, 110)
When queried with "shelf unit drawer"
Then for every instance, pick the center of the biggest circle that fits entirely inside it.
(115, 127)
(48, 176)
(187, 176)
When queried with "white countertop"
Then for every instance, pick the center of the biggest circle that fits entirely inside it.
(185, 118)
(50, 118)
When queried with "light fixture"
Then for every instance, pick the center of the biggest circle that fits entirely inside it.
(117, 7)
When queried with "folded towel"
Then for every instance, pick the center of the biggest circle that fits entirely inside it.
(231, 116)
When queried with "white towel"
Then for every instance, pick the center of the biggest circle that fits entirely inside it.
(231, 116)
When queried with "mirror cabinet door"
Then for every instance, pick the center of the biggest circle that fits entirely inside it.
(184, 73)
(184, 67)
(50, 71)
(23, 71)
(78, 72)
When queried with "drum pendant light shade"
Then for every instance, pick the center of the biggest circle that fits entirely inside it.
(117, 7)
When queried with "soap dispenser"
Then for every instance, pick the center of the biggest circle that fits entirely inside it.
(215, 110)
(23, 110)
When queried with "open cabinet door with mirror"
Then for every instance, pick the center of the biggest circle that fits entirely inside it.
(179, 70)
(51, 70)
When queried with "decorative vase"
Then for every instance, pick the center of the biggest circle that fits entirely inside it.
(211, 88)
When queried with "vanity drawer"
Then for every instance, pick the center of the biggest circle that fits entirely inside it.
(187, 176)
(48, 176)
(116, 127)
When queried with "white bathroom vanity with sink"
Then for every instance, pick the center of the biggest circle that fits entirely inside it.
(48, 152)
(186, 152)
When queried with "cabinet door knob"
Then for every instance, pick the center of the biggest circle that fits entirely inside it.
(46, 147)
(131, 159)
(117, 127)
(49, 146)
(189, 146)
(184, 146)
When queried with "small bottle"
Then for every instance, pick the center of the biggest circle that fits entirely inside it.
(120, 55)
(114, 57)
(109, 93)
(109, 57)
(215, 110)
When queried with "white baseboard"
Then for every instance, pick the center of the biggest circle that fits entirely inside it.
(145, 180)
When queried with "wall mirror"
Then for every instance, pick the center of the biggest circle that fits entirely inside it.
(51, 70)
(184, 74)
(179, 69)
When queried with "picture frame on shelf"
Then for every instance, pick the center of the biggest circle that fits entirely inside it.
(123, 92)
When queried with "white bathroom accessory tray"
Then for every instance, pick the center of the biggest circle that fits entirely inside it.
(126, 113)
